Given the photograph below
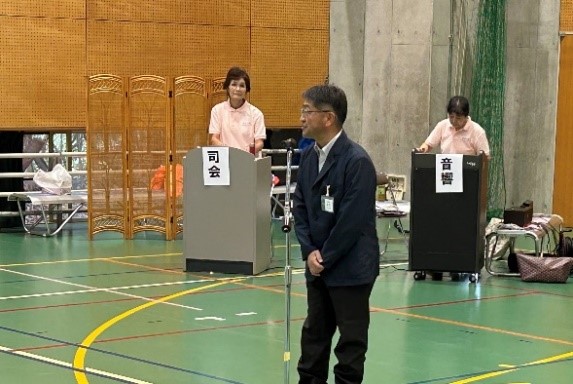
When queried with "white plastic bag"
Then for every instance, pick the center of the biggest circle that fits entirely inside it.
(57, 182)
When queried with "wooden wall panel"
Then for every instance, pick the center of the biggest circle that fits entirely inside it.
(66, 9)
(209, 50)
(125, 49)
(566, 16)
(211, 12)
(128, 49)
(284, 63)
(42, 83)
(563, 182)
(298, 14)
(50, 48)
(290, 40)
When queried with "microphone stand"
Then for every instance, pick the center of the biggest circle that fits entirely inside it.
(286, 228)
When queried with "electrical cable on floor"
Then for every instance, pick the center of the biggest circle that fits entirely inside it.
(393, 265)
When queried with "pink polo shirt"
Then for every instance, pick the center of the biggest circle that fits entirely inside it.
(238, 127)
(470, 140)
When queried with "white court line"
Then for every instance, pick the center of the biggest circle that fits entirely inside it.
(392, 265)
(128, 287)
(67, 365)
(90, 289)
(91, 259)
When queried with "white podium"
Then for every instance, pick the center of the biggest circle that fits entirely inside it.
(226, 229)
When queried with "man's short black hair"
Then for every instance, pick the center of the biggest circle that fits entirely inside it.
(459, 105)
(327, 97)
(237, 73)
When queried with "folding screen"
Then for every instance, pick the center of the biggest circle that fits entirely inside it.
(107, 162)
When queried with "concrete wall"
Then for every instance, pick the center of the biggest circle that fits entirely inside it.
(398, 62)
(531, 101)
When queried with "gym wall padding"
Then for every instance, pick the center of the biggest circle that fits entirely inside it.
(49, 49)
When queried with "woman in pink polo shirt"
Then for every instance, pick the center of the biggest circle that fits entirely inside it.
(458, 133)
(235, 122)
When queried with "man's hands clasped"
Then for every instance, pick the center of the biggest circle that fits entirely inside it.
(314, 262)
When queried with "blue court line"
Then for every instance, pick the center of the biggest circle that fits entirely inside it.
(154, 363)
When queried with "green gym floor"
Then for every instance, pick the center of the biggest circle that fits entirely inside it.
(124, 311)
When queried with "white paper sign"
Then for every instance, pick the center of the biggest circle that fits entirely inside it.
(216, 166)
(449, 173)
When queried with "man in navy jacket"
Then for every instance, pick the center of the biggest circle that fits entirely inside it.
(335, 222)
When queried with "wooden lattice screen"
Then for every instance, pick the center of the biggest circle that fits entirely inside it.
(107, 162)
(191, 117)
(139, 130)
(149, 149)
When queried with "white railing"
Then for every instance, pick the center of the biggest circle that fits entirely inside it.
(29, 175)
(41, 155)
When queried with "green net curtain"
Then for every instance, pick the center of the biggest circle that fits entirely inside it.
(478, 62)
(487, 93)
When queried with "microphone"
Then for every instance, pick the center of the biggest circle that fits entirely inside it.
(289, 143)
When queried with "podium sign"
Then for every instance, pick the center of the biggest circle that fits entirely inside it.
(447, 229)
(226, 228)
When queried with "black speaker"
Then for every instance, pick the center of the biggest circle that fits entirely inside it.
(447, 229)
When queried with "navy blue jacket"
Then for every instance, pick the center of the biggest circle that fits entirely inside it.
(347, 238)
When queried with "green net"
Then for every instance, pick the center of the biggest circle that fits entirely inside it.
(484, 82)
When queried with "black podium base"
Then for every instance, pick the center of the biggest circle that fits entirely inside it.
(216, 266)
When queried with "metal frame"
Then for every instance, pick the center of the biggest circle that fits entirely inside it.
(534, 231)
(48, 204)
(397, 222)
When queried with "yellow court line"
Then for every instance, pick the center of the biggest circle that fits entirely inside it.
(489, 329)
(146, 267)
(552, 359)
(473, 326)
(80, 355)
(92, 259)
(483, 377)
(259, 276)
(513, 369)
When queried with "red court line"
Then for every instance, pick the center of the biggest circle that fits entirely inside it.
(440, 303)
(188, 331)
(160, 334)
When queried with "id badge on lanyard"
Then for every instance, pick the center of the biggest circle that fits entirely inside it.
(327, 201)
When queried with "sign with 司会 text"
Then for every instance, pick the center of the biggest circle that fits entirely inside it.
(449, 173)
(216, 166)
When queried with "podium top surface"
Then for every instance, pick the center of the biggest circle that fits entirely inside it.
(428, 160)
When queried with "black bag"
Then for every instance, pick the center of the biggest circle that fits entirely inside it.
(565, 245)
(512, 263)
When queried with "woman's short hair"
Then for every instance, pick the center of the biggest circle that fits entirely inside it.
(237, 73)
(459, 105)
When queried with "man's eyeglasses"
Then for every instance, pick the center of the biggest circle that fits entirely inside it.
(305, 112)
